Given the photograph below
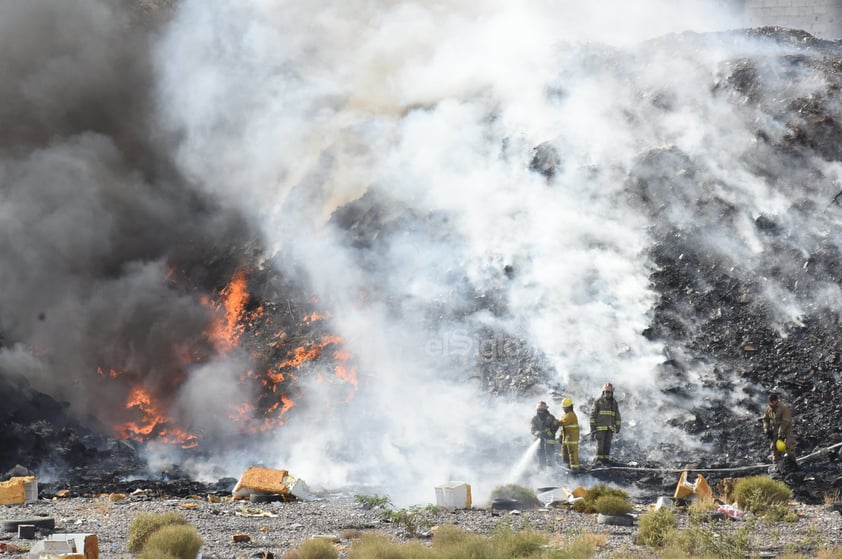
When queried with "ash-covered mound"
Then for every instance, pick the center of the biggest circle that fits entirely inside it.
(367, 255)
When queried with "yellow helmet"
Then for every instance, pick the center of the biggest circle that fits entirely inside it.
(780, 445)
(567, 403)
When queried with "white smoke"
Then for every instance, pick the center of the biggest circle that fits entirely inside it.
(288, 111)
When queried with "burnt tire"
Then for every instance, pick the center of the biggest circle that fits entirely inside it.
(40, 523)
(615, 520)
(265, 497)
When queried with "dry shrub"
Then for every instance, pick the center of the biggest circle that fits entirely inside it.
(700, 541)
(507, 542)
(592, 494)
(656, 528)
(757, 494)
(350, 534)
(181, 541)
(583, 546)
(156, 554)
(379, 546)
(612, 505)
(832, 497)
(725, 489)
(316, 548)
(146, 524)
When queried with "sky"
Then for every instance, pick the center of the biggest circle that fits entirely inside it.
(133, 151)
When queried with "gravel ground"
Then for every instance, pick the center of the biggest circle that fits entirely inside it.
(275, 528)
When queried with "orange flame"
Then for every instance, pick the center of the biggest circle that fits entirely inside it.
(153, 422)
(269, 409)
(111, 373)
(226, 331)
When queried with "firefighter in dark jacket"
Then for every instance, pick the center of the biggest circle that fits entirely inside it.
(544, 427)
(569, 435)
(777, 425)
(605, 421)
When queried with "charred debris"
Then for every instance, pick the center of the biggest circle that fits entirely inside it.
(709, 311)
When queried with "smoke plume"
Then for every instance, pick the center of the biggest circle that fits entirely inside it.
(453, 182)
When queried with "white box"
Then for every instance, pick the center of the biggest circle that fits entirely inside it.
(30, 491)
(298, 488)
(454, 494)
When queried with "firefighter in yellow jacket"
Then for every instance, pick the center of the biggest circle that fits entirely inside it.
(604, 421)
(569, 435)
(777, 424)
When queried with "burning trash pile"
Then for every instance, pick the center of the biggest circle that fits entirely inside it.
(341, 273)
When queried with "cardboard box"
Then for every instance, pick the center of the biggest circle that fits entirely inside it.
(19, 490)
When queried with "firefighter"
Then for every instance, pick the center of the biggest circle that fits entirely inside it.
(777, 425)
(544, 426)
(569, 435)
(604, 421)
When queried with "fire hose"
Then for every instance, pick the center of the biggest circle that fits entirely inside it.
(820, 452)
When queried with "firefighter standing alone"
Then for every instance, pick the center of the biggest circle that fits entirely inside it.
(777, 425)
(604, 421)
(544, 426)
(569, 435)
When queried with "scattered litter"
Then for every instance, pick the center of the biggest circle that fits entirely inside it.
(9, 548)
(329, 537)
(664, 502)
(700, 488)
(77, 546)
(554, 496)
(732, 512)
(248, 511)
(298, 488)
